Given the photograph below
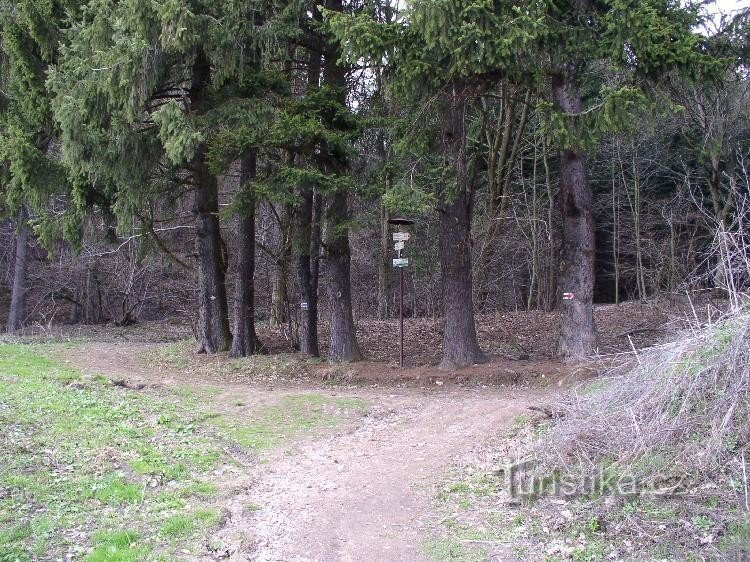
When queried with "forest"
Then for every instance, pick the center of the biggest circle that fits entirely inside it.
(217, 161)
(543, 190)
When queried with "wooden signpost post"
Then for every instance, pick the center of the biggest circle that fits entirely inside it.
(400, 238)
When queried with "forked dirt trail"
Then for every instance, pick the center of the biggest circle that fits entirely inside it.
(361, 493)
(365, 495)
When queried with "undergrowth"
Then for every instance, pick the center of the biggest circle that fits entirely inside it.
(661, 451)
(649, 462)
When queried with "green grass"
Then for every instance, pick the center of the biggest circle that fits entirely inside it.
(451, 549)
(82, 454)
(117, 546)
(115, 490)
(82, 459)
(735, 544)
(185, 524)
(292, 416)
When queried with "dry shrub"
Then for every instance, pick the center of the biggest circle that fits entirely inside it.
(676, 421)
(668, 432)
(679, 419)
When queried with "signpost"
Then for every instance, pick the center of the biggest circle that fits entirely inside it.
(400, 238)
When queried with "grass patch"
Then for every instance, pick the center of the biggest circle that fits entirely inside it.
(116, 491)
(186, 524)
(79, 453)
(177, 526)
(449, 549)
(117, 546)
(735, 544)
(292, 416)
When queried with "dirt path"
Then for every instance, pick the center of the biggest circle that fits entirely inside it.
(365, 495)
(361, 494)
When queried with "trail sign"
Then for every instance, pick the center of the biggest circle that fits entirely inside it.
(568, 296)
(399, 238)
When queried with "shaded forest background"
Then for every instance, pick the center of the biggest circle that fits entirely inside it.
(669, 171)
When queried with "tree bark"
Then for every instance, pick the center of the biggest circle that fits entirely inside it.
(344, 347)
(213, 317)
(551, 297)
(17, 314)
(577, 330)
(308, 312)
(306, 232)
(279, 286)
(384, 265)
(460, 345)
(316, 237)
(279, 293)
(245, 341)
(93, 309)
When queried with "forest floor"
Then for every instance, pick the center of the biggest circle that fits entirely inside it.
(127, 448)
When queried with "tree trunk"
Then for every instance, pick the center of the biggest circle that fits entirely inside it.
(384, 264)
(616, 233)
(279, 286)
(279, 293)
(306, 234)
(460, 345)
(344, 345)
(93, 310)
(245, 341)
(316, 237)
(577, 329)
(551, 297)
(308, 307)
(17, 314)
(213, 318)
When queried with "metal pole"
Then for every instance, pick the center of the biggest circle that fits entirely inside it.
(401, 315)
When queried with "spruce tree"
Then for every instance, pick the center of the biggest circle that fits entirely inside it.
(144, 96)
(457, 48)
(30, 173)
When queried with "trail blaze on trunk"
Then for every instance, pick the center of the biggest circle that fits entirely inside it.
(213, 318)
(308, 307)
(577, 330)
